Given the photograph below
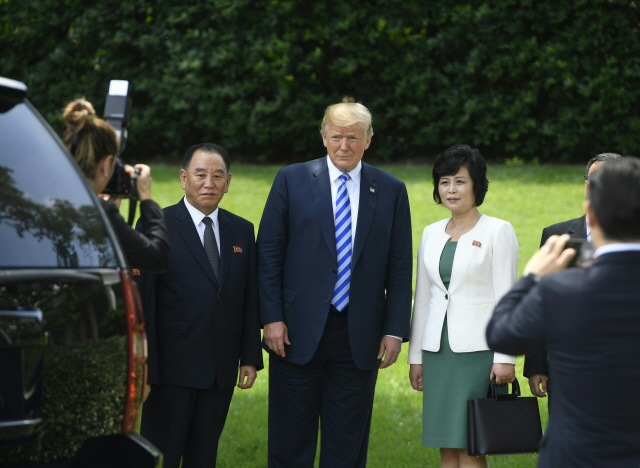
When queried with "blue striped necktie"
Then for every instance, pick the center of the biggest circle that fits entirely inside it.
(343, 246)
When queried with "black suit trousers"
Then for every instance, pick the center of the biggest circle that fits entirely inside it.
(329, 388)
(183, 420)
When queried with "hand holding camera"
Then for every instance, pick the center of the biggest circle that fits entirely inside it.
(136, 183)
(142, 181)
(552, 257)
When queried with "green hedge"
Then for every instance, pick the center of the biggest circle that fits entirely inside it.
(535, 80)
(84, 396)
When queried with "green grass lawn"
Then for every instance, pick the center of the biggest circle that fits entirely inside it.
(529, 197)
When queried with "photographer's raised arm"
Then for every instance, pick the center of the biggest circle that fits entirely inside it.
(147, 247)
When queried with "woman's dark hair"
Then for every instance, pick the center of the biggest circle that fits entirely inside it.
(450, 162)
(88, 138)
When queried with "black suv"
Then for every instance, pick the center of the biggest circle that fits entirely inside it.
(72, 345)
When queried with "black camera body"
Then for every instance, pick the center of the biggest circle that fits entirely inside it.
(584, 252)
(121, 184)
(117, 112)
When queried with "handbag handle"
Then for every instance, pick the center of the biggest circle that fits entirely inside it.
(515, 391)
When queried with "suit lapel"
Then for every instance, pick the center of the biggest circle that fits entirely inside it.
(189, 234)
(366, 211)
(578, 230)
(226, 247)
(321, 188)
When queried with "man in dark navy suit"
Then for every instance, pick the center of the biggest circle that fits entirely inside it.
(334, 274)
(201, 316)
(536, 367)
(589, 321)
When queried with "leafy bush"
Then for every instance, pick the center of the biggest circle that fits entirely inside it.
(527, 79)
(85, 397)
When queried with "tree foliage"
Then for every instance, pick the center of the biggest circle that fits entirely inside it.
(542, 80)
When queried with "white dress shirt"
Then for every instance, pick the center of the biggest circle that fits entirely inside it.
(617, 247)
(198, 216)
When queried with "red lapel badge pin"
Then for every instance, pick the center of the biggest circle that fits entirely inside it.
(476, 243)
(372, 190)
(237, 249)
(135, 272)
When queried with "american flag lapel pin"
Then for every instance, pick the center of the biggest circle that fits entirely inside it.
(372, 190)
(476, 243)
(237, 249)
(135, 272)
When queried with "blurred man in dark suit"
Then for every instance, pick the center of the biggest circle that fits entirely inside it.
(589, 321)
(536, 367)
(201, 316)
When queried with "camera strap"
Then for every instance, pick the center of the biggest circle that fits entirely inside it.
(133, 199)
(133, 203)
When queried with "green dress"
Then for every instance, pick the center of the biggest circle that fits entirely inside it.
(449, 380)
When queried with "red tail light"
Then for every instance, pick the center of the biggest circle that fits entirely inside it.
(137, 352)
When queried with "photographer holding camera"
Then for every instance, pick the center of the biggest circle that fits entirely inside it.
(588, 320)
(94, 146)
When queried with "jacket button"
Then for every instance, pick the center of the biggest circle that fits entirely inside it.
(335, 272)
(328, 299)
(446, 296)
(218, 298)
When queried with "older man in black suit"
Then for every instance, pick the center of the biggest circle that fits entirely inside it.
(536, 367)
(589, 321)
(201, 316)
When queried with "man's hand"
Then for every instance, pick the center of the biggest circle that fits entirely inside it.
(551, 257)
(249, 373)
(389, 348)
(415, 376)
(535, 381)
(276, 335)
(505, 373)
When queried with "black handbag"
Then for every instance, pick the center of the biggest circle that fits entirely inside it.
(503, 424)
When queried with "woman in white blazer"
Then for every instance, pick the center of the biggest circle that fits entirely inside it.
(466, 263)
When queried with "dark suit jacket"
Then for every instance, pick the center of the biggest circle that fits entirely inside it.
(148, 248)
(297, 262)
(576, 228)
(198, 328)
(589, 320)
(536, 362)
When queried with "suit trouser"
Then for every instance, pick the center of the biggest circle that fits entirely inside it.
(329, 388)
(186, 423)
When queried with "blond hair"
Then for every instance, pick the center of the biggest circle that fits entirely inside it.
(88, 138)
(347, 114)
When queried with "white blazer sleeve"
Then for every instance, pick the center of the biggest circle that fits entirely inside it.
(505, 271)
(420, 306)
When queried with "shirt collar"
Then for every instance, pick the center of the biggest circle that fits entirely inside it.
(617, 247)
(334, 172)
(198, 215)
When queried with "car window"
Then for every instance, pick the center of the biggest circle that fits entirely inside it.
(47, 216)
